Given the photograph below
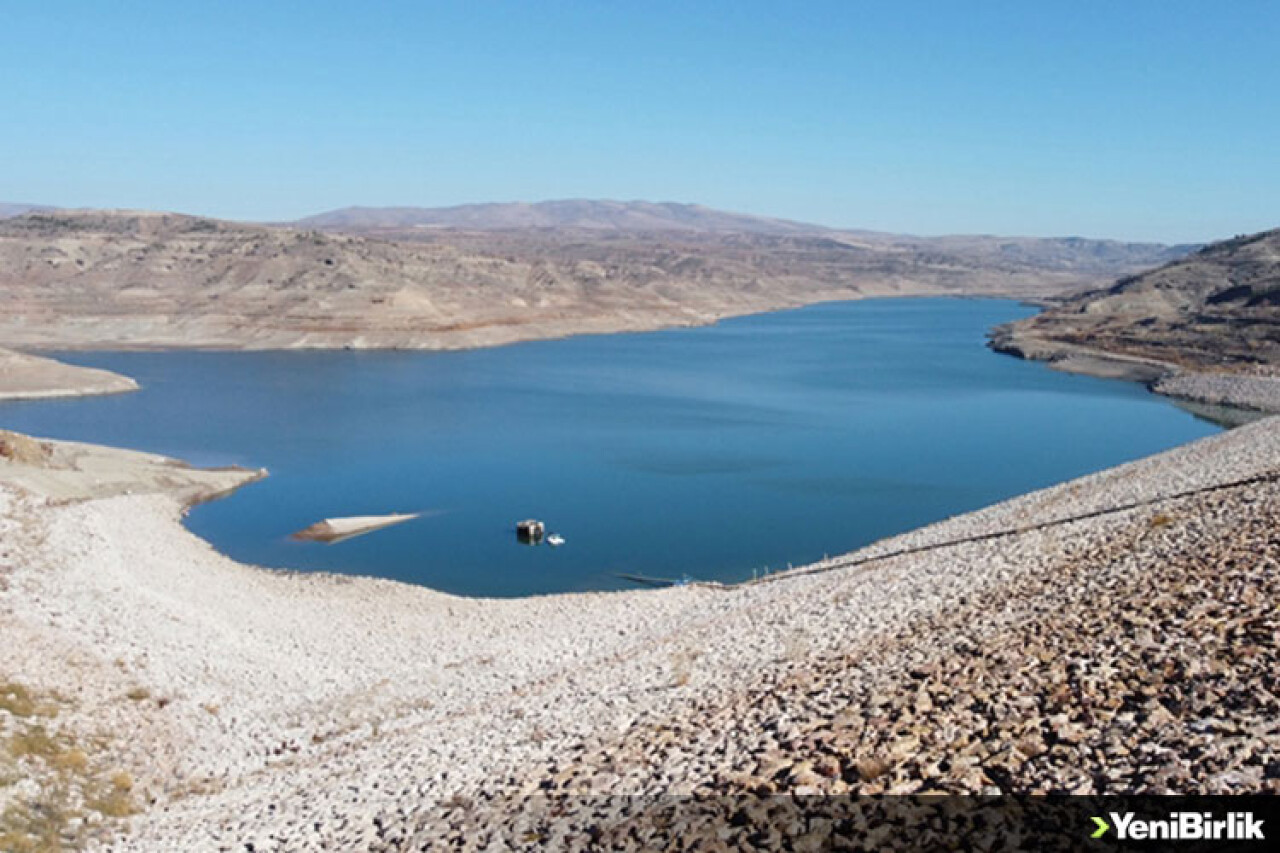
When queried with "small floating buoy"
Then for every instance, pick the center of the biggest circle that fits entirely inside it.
(555, 540)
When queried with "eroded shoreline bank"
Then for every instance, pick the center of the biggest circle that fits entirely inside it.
(1256, 389)
(31, 377)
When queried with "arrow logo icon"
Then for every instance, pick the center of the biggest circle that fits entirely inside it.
(1102, 825)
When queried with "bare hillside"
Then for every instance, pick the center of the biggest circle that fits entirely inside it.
(129, 279)
(1218, 309)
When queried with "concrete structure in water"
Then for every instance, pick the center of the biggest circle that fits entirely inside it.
(530, 531)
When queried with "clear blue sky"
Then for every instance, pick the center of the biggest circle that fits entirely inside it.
(1143, 120)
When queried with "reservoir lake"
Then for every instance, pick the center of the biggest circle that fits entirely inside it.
(710, 453)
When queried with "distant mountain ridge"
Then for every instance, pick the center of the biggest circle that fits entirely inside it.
(545, 220)
(552, 222)
(10, 209)
(576, 214)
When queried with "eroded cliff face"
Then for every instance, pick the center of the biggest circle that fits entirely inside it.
(126, 279)
(1217, 310)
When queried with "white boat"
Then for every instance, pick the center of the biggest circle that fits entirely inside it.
(555, 540)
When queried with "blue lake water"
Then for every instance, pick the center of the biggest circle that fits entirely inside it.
(710, 452)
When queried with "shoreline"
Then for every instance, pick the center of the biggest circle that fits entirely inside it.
(31, 374)
(501, 333)
(31, 377)
(43, 377)
(245, 687)
(1245, 390)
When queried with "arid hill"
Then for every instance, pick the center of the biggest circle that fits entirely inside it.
(9, 208)
(1216, 310)
(567, 221)
(127, 279)
(572, 214)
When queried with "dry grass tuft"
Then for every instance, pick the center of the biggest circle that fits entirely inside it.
(24, 449)
(36, 827)
(71, 760)
(35, 742)
(112, 802)
(16, 699)
(114, 798)
(67, 780)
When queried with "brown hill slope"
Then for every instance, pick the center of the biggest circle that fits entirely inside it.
(1216, 310)
(127, 279)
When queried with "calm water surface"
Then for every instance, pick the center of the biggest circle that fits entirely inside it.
(709, 452)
